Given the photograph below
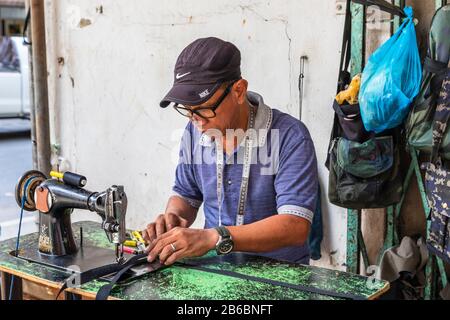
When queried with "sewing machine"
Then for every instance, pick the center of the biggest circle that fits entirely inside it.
(56, 199)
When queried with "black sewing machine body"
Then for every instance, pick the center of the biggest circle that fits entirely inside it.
(56, 199)
(55, 227)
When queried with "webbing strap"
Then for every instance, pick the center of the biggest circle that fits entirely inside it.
(297, 287)
(99, 272)
(105, 290)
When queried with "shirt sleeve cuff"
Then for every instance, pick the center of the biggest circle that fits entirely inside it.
(297, 211)
(192, 202)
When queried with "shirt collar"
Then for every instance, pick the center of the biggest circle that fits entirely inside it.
(263, 122)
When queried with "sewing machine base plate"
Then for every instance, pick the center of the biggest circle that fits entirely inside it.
(84, 260)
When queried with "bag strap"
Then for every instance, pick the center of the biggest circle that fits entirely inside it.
(344, 74)
(441, 117)
(438, 70)
(434, 66)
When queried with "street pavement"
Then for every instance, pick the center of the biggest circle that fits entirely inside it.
(15, 159)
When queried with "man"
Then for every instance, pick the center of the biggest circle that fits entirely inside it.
(254, 169)
(9, 57)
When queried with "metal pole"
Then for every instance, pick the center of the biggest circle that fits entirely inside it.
(31, 95)
(358, 45)
(40, 85)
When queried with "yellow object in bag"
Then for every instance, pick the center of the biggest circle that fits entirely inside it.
(351, 93)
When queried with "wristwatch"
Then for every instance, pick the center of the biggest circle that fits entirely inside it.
(225, 244)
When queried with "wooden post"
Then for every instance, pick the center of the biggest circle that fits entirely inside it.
(31, 94)
(16, 293)
(40, 76)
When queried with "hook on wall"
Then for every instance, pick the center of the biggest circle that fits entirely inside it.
(301, 80)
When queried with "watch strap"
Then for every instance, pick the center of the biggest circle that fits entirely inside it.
(223, 232)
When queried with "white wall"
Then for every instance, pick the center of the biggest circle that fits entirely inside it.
(104, 96)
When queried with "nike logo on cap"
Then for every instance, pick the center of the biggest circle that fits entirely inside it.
(179, 76)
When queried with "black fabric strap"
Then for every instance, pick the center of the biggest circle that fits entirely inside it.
(434, 66)
(273, 282)
(346, 50)
(99, 272)
(104, 291)
(438, 69)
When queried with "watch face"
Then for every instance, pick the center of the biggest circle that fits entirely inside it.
(225, 247)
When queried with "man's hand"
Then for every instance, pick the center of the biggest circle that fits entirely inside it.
(163, 223)
(181, 243)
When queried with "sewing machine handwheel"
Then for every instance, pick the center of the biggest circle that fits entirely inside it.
(35, 178)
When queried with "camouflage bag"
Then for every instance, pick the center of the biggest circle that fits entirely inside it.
(419, 125)
(364, 175)
(437, 180)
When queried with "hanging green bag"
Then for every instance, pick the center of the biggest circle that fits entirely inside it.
(419, 125)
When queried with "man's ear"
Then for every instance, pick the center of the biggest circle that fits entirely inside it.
(240, 91)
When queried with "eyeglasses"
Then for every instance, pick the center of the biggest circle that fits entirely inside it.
(203, 112)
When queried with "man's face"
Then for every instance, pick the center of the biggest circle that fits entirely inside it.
(227, 113)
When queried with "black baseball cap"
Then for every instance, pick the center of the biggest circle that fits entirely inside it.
(201, 68)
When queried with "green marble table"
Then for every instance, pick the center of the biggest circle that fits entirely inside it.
(177, 282)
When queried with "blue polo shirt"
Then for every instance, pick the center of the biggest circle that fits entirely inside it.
(283, 175)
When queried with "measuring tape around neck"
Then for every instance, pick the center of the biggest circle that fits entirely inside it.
(245, 172)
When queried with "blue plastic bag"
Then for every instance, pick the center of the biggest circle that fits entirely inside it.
(391, 79)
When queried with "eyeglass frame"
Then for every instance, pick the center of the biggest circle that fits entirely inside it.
(212, 108)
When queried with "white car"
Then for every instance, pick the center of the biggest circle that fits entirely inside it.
(14, 79)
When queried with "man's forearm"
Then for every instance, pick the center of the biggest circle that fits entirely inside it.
(182, 208)
(270, 234)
